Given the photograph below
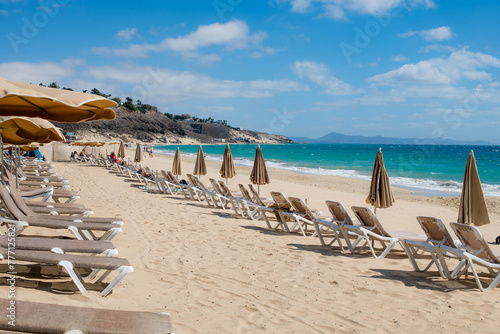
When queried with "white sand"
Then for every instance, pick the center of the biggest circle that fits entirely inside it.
(215, 272)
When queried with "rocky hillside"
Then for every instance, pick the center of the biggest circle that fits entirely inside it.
(155, 127)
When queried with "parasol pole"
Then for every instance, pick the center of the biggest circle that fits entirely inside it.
(1, 152)
(375, 207)
(18, 163)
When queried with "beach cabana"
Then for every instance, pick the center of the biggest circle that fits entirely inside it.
(259, 173)
(227, 170)
(472, 208)
(200, 167)
(176, 165)
(380, 195)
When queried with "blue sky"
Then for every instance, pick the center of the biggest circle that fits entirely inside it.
(401, 68)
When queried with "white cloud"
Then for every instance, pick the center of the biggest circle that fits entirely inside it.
(399, 58)
(460, 65)
(232, 35)
(163, 85)
(202, 59)
(126, 34)
(157, 86)
(339, 9)
(42, 72)
(436, 48)
(436, 34)
(320, 75)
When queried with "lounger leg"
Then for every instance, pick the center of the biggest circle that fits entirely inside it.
(124, 270)
(77, 279)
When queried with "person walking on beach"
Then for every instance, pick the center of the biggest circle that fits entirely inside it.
(151, 152)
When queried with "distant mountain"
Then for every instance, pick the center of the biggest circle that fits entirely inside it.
(339, 138)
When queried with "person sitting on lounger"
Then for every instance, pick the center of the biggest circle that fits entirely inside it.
(113, 157)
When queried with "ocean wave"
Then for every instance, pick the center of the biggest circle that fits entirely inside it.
(426, 186)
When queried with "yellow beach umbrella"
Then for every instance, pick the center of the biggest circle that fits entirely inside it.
(22, 130)
(60, 105)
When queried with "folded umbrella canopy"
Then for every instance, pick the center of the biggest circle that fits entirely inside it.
(138, 154)
(176, 165)
(200, 167)
(60, 105)
(121, 151)
(259, 173)
(472, 204)
(380, 195)
(227, 169)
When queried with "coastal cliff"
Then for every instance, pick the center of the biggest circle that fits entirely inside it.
(156, 128)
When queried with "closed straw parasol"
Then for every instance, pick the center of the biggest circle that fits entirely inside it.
(380, 195)
(259, 173)
(138, 154)
(176, 166)
(121, 151)
(60, 105)
(227, 169)
(472, 205)
(200, 168)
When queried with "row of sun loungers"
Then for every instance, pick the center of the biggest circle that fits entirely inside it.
(36, 197)
(91, 251)
(452, 258)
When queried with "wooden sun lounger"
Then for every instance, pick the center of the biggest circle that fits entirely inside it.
(33, 317)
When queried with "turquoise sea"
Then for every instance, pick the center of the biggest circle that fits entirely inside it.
(427, 169)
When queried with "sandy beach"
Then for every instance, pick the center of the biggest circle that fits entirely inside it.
(216, 272)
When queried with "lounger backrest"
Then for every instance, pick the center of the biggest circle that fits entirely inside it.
(191, 179)
(225, 189)
(280, 200)
(301, 207)
(200, 184)
(14, 194)
(173, 179)
(339, 213)
(9, 203)
(436, 231)
(255, 194)
(196, 181)
(473, 242)
(166, 176)
(216, 186)
(368, 220)
(244, 191)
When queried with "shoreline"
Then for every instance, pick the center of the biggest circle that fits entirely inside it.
(425, 187)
